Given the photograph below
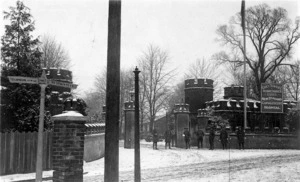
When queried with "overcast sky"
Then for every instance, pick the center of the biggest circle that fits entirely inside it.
(184, 28)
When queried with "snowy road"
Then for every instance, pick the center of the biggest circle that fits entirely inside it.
(193, 165)
(209, 169)
(204, 171)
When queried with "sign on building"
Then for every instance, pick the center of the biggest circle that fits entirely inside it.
(271, 98)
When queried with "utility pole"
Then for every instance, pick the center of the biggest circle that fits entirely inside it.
(245, 78)
(111, 159)
(137, 160)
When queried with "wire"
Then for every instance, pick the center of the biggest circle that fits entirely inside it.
(229, 158)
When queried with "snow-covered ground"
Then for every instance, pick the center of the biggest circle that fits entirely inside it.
(194, 165)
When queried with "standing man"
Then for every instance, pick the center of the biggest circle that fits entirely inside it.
(240, 134)
(168, 136)
(173, 137)
(199, 134)
(211, 138)
(224, 138)
(155, 138)
(187, 138)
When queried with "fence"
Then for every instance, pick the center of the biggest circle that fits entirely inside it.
(18, 152)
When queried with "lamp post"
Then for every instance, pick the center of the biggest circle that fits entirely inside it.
(137, 164)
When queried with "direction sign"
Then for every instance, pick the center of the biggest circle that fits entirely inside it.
(62, 84)
(271, 98)
(20, 79)
(41, 80)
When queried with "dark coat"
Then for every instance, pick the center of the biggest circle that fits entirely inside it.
(173, 132)
(168, 136)
(211, 135)
(187, 135)
(155, 135)
(240, 134)
(199, 134)
(223, 136)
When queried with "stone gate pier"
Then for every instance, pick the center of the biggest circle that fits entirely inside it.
(182, 121)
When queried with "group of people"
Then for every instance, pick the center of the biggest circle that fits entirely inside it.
(169, 138)
(240, 134)
(224, 137)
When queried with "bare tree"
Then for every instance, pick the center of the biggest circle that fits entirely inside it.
(270, 36)
(155, 79)
(206, 69)
(237, 75)
(289, 76)
(176, 95)
(96, 99)
(94, 102)
(202, 68)
(143, 106)
(293, 81)
(54, 54)
(127, 86)
(100, 83)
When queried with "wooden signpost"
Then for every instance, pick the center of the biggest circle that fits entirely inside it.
(43, 82)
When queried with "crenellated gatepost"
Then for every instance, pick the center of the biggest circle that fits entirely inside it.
(129, 124)
(182, 120)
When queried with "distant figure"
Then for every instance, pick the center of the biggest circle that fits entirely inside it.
(187, 138)
(199, 134)
(173, 137)
(224, 138)
(155, 138)
(240, 134)
(211, 138)
(168, 136)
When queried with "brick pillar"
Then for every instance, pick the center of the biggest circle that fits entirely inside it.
(202, 118)
(68, 145)
(182, 120)
(129, 125)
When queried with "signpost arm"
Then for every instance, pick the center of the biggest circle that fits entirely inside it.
(39, 161)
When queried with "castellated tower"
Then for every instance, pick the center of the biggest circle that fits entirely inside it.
(197, 92)
(62, 75)
(58, 94)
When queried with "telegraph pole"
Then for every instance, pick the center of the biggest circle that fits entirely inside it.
(111, 159)
(137, 160)
(245, 79)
